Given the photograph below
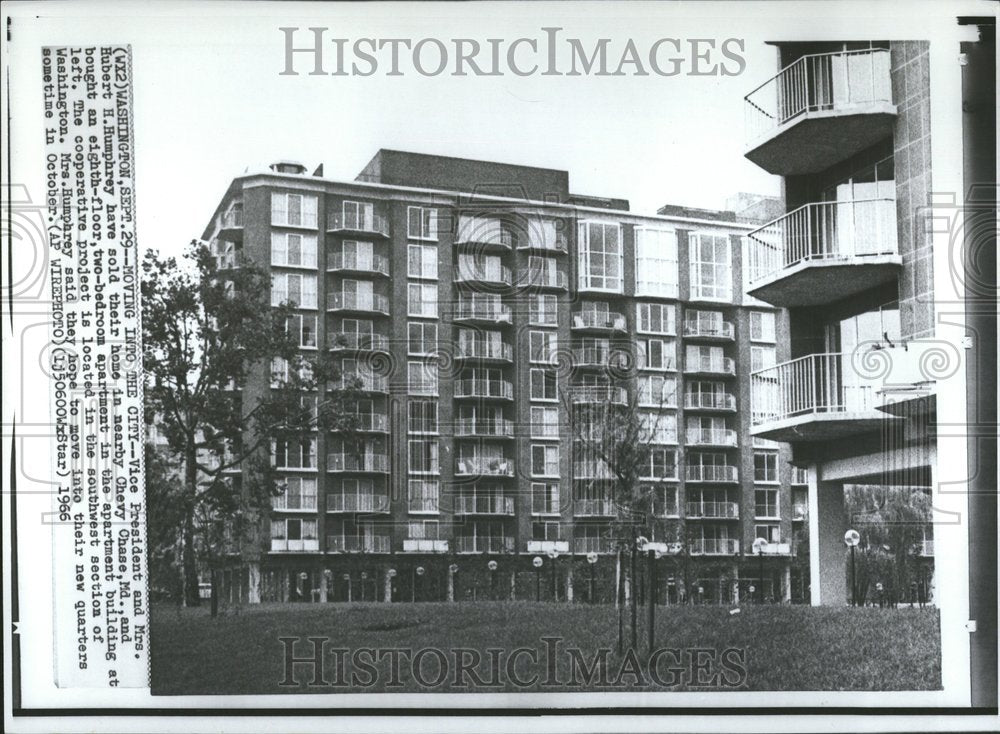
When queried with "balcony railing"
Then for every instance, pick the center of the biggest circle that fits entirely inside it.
(494, 427)
(376, 224)
(484, 544)
(357, 503)
(710, 401)
(491, 312)
(362, 381)
(484, 235)
(373, 463)
(594, 508)
(592, 470)
(475, 349)
(815, 384)
(709, 473)
(708, 329)
(723, 366)
(355, 302)
(711, 509)
(599, 394)
(815, 83)
(474, 273)
(542, 244)
(545, 546)
(593, 545)
(610, 321)
(591, 356)
(280, 545)
(484, 505)
(424, 545)
(376, 264)
(358, 544)
(483, 388)
(543, 278)
(824, 232)
(371, 422)
(713, 547)
(233, 219)
(355, 341)
(484, 466)
(423, 504)
(711, 436)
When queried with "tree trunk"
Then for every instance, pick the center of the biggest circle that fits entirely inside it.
(191, 596)
(634, 596)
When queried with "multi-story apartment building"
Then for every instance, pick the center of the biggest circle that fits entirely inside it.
(847, 127)
(479, 302)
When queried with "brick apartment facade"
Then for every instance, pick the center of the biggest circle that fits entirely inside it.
(478, 302)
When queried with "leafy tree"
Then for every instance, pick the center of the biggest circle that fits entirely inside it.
(226, 382)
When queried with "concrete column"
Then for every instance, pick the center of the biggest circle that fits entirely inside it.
(569, 583)
(827, 552)
(786, 583)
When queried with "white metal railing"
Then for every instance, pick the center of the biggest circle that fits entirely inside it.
(711, 436)
(497, 312)
(543, 278)
(362, 381)
(357, 302)
(593, 469)
(484, 505)
(817, 383)
(599, 394)
(713, 547)
(591, 356)
(357, 462)
(358, 341)
(714, 509)
(357, 502)
(597, 320)
(358, 543)
(425, 545)
(483, 388)
(708, 329)
(486, 466)
(475, 272)
(832, 82)
(286, 544)
(481, 349)
(484, 427)
(484, 544)
(484, 235)
(354, 222)
(710, 401)
(594, 508)
(710, 473)
(377, 422)
(723, 366)
(360, 263)
(823, 232)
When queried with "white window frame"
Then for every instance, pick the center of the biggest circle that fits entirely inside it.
(280, 250)
(427, 220)
(423, 307)
(603, 282)
(720, 289)
(550, 460)
(656, 257)
(308, 210)
(667, 316)
(765, 326)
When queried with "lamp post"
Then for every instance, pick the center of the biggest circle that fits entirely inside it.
(417, 572)
(537, 563)
(851, 540)
(591, 561)
(553, 554)
(347, 578)
(758, 547)
(878, 592)
(364, 577)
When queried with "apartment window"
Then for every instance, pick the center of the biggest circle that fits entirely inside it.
(762, 327)
(423, 455)
(422, 300)
(704, 322)
(544, 460)
(546, 531)
(422, 378)
(543, 384)
(294, 288)
(658, 463)
(658, 427)
(423, 337)
(770, 533)
(299, 494)
(655, 318)
(800, 475)
(422, 496)
(711, 267)
(657, 391)
(762, 358)
(656, 354)
(299, 454)
(310, 411)
(544, 422)
(421, 261)
(302, 328)
(765, 467)
(293, 529)
(423, 416)
(543, 270)
(421, 223)
(542, 346)
(473, 228)
(765, 502)
(482, 267)
(655, 262)
(704, 357)
(543, 310)
(359, 215)
(665, 501)
(293, 250)
(545, 498)
(293, 210)
(600, 256)
(543, 234)
(424, 530)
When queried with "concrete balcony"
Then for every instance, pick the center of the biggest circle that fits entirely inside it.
(370, 422)
(485, 313)
(376, 225)
(711, 437)
(724, 402)
(357, 303)
(708, 366)
(478, 273)
(484, 544)
(599, 394)
(548, 245)
(713, 510)
(362, 382)
(424, 545)
(819, 397)
(819, 110)
(484, 428)
(708, 330)
(483, 236)
(358, 463)
(824, 252)
(484, 466)
(599, 322)
(707, 473)
(484, 389)
(357, 342)
(485, 351)
(594, 508)
(548, 546)
(713, 547)
(357, 543)
(776, 549)
(350, 262)
(231, 224)
(285, 545)
(336, 502)
(484, 505)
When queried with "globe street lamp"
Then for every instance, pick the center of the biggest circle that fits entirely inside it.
(758, 547)
(537, 563)
(492, 566)
(851, 540)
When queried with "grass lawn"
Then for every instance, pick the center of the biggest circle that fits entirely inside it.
(773, 648)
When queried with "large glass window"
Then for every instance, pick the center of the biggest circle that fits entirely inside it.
(421, 223)
(423, 416)
(422, 300)
(293, 288)
(543, 309)
(293, 210)
(544, 460)
(299, 494)
(600, 256)
(421, 261)
(545, 498)
(655, 318)
(423, 337)
(655, 262)
(293, 250)
(711, 267)
(543, 384)
(762, 326)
